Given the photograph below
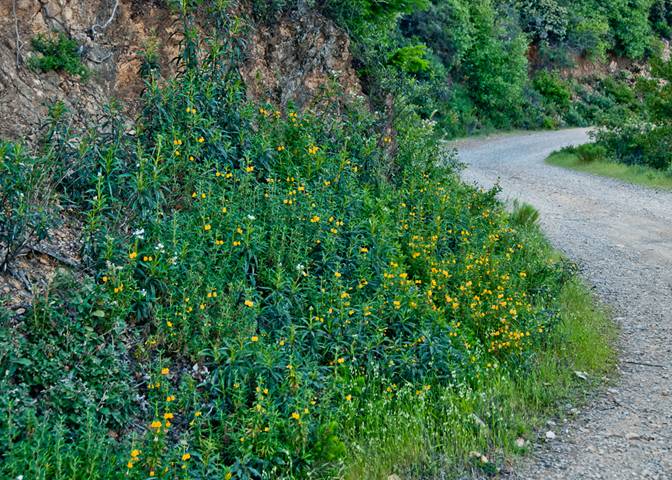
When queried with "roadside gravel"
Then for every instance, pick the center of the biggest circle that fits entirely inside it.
(621, 237)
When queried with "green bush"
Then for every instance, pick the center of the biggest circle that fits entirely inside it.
(495, 67)
(544, 20)
(590, 37)
(553, 89)
(411, 59)
(57, 52)
(445, 27)
(589, 152)
(28, 204)
(258, 275)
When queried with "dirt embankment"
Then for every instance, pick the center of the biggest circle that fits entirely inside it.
(294, 59)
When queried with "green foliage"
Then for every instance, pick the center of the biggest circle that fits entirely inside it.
(544, 20)
(359, 16)
(256, 276)
(28, 206)
(445, 27)
(590, 37)
(608, 167)
(587, 153)
(642, 134)
(411, 59)
(149, 58)
(629, 21)
(524, 215)
(57, 52)
(495, 67)
(553, 89)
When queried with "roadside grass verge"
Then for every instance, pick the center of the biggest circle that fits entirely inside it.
(636, 174)
(457, 430)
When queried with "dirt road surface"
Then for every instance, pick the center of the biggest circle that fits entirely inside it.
(621, 237)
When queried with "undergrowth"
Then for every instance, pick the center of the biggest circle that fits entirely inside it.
(597, 161)
(57, 52)
(267, 293)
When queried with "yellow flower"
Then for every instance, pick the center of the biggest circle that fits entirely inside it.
(197, 414)
(129, 464)
(364, 250)
(132, 255)
(296, 415)
(207, 227)
(156, 424)
(170, 398)
(104, 279)
(348, 398)
(135, 453)
(165, 371)
(186, 457)
(168, 416)
(169, 324)
(201, 139)
(315, 219)
(280, 148)
(337, 274)
(228, 476)
(254, 338)
(151, 473)
(341, 360)
(249, 169)
(249, 303)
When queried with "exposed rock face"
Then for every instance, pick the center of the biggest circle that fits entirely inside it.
(297, 59)
(111, 53)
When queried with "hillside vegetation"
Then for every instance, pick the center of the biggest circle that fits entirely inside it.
(268, 292)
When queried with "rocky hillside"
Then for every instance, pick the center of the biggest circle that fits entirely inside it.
(291, 60)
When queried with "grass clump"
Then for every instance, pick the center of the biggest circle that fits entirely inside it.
(57, 52)
(593, 159)
(270, 293)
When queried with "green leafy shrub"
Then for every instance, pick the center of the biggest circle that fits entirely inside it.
(545, 20)
(553, 89)
(28, 204)
(258, 276)
(589, 36)
(495, 67)
(410, 59)
(445, 27)
(524, 215)
(57, 52)
(640, 133)
(589, 152)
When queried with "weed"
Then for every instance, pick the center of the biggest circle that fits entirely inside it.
(57, 52)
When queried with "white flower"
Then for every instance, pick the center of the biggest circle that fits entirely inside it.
(251, 217)
(139, 234)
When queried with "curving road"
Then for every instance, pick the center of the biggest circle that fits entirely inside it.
(621, 236)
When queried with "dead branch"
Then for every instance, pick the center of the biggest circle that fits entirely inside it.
(109, 20)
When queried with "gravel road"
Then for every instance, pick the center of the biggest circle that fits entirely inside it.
(621, 237)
